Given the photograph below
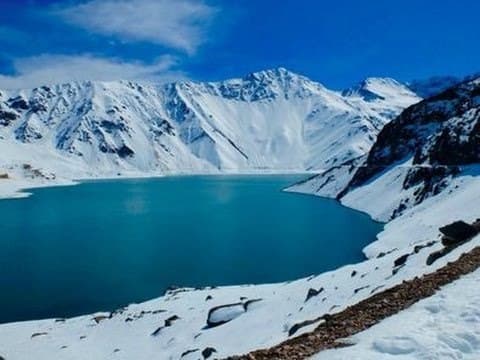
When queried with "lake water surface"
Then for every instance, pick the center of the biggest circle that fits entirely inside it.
(101, 245)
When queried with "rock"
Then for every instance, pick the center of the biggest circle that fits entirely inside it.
(19, 103)
(222, 314)
(158, 311)
(38, 334)
(360, 289)
(313, 292)
(100, 318)
(7, 117)
(170, 320)
(124, 151)
(401, 260)
(457, 232)
(185, 353)
(247, 303)
(207, 352)
(157, 331)
(167, 323)
(418, 248)
(298, 326)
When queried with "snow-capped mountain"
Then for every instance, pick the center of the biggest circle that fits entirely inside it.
(433, 86)
(269, 120)
(437, 136)
(419, 174)
(426, 88)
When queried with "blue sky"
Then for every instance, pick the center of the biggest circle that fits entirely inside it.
(335, 42)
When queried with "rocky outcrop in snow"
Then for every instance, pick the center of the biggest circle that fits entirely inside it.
(421, 150)
(421, 173)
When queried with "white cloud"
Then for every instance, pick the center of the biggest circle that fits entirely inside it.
(49, 69)
(179, 24)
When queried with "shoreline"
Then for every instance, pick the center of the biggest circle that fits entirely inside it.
(263, 338)
(14, 188)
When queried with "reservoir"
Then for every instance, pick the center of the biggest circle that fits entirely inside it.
(100, 245)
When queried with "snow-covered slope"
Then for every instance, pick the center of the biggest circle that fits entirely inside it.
(428, 155)
(444, 326)
(272, 120)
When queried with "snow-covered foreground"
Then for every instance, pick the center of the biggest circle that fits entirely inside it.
(445, 326)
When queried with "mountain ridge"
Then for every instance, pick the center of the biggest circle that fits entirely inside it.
(426, 152)
(272, 120)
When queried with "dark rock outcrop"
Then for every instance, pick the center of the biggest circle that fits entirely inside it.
(439, 135)
(313, 292)
(207, 352)
(457, 232)
(167, 323)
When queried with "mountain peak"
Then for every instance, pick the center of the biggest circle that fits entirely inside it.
(279, 74)
(377, 88)
(266, 85)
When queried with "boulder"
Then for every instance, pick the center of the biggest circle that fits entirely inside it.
(457, 232)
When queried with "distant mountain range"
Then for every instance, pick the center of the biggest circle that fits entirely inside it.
(272, 120)
(435, 85)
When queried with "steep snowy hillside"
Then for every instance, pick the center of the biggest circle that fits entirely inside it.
(441, 327)
(428, 155)
(272, 120)
(436, 137)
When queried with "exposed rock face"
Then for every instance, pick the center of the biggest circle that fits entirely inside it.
(207, 352)
(442, 130)
(457, 232)
(313, 292)
(438, 135)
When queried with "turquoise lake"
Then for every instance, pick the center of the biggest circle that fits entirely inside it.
(101, 245)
